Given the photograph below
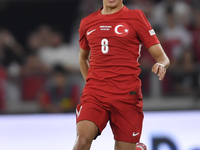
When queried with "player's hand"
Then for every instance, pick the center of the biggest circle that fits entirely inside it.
(160, 70)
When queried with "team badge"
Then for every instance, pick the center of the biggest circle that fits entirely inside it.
(121, 29)
(152, 32)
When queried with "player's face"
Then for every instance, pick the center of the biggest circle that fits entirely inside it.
(59, 79)
(112, 3)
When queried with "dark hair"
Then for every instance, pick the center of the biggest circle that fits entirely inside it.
(59, 69)
(169, 10)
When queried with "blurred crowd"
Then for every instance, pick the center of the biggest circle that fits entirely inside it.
(46, 69)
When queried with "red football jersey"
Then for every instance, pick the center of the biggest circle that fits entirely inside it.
(115, 42)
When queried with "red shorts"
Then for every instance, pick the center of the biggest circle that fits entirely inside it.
(125, 115)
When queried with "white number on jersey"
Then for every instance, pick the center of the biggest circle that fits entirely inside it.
(104, 46)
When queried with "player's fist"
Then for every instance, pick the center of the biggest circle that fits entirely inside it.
(141, 146)
(160, 70)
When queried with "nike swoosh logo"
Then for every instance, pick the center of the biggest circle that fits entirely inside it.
(135, 134)
(78, 112)
(88, 33)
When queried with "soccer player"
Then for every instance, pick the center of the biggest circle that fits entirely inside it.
(113, 37)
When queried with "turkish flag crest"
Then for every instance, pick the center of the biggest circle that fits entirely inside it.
(121, 29)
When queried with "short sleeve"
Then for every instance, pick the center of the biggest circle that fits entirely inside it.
(145, 32)
(83, 42)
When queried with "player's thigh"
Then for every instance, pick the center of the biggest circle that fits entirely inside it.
(126, 120)
(86, 130)
(119, 145)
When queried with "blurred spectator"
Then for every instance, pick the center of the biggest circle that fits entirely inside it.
(34, 42)
(182, 12)
(185, 76)
(58, 52)
(34, 72)
(39, 38)
(33, 66)
(45, 35)
(10, 50)
(33, 77)
(176, 36)
(61, 95)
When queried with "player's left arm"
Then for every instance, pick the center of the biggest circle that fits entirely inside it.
(162, 61)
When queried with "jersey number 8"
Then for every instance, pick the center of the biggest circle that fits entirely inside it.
(104, 46)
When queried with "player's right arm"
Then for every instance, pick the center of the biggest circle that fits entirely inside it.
(83, 62)
(84, 49)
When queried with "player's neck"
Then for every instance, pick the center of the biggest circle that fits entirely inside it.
(111, 10)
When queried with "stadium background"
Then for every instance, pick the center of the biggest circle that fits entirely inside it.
(39, 50)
